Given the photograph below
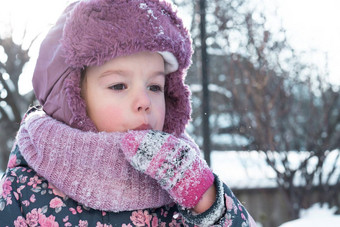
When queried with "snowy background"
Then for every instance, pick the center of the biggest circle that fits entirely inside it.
(315, 216)
(249, 170)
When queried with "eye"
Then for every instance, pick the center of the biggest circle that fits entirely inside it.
(155, 88)
(118, 87)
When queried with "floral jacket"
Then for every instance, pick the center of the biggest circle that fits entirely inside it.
(27, 199)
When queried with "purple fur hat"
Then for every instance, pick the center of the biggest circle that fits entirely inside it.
(91, 32)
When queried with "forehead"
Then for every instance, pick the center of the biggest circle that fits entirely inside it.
(144, 60)
(147, 65)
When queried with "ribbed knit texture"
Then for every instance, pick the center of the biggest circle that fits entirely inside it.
(173, 162)
(87, 166)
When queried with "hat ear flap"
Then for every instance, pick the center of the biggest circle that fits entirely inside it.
(177, 101)
(76, 103)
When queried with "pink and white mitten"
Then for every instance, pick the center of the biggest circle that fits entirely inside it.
(173, 162)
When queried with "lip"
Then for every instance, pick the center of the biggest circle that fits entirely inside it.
(143, 127)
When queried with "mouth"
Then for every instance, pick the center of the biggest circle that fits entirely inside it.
(143, 127)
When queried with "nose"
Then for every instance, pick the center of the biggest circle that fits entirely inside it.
(142, 101)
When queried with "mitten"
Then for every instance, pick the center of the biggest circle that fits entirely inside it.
(173, 162)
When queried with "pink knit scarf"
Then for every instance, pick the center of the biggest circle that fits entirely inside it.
(88, 167)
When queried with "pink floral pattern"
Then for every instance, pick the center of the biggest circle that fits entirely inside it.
(12, 161)
(20, 222)
(32, 218)
(102, 225)
(6, 187)
(83, 223)
(47, 221)
(34, 181)
(56, 203)
(140, 218)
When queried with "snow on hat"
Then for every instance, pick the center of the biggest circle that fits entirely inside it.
(92, 32)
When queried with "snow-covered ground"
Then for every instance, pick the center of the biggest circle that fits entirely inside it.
(315, 216)
(243, 169)
(248, 169)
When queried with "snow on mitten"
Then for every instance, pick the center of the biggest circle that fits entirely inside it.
(173, 162)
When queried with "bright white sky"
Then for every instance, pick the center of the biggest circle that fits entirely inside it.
(310, 24)
(314, 24)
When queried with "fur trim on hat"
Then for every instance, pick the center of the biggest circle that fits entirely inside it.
(100, 30)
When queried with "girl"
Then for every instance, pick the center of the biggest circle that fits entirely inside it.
(107, 147)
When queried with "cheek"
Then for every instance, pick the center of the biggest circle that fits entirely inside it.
(109, 119)
(160, 116)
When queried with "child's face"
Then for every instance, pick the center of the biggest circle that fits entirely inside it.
(126, 93)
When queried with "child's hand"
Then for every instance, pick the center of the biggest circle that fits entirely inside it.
(173, 162)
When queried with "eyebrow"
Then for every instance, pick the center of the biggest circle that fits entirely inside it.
(159, 73)
(123, 73)
(110, 72)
